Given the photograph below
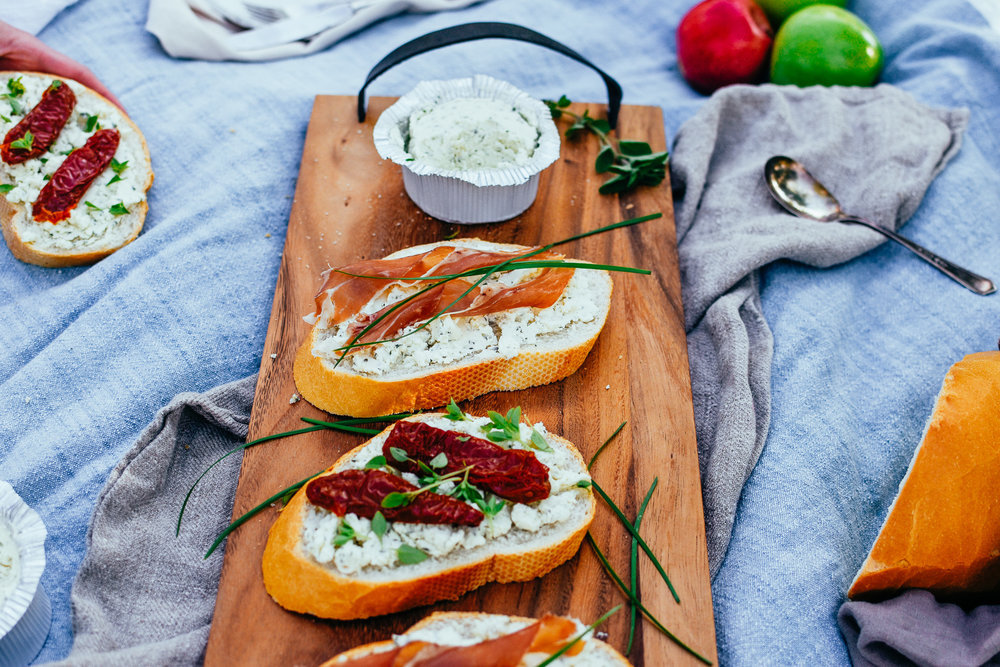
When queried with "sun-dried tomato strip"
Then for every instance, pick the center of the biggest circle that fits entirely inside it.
(66, 187)
(361, 492)
(45, 122)
(512, 474)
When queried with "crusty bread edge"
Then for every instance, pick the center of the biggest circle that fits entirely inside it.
(591, 643)
(9, 211)
(298, 583)
(345, 393)
(878, 578)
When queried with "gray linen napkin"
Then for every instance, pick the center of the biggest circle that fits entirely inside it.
(143, 597)
(915, 629)
(728, 227)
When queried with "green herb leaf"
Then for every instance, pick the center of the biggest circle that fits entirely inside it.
(455, 413)
(5, 119)
(375, 462)
(15, 106)
(46, 177)
(410, 555)
(491, 506)
(584, 484)
(118, 209)
(118, 167)
(15, 87)
(344, 534)
(93, 206)
(114, 179)
(379, 525)
(463, 438)
(439, 461)
(399, 454)
(6, 187)
(538, 441)
(634, 147)
(563, 102)
(25, 142)
(605, 158)
(395, 499)
(614, 185)
(91, 123)
(514, 418)
(55, 84)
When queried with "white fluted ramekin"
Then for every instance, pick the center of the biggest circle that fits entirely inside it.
(25, 615)
(467, 196)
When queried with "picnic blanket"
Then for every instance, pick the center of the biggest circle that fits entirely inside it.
(91, 354)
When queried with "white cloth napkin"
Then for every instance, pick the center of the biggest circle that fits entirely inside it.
(199, 29)
(31, 15)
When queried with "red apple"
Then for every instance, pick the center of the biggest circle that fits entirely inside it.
(720, 42)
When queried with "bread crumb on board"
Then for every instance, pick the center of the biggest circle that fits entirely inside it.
(294, 399)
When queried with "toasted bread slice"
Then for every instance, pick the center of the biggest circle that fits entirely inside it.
(457, 628)
(305, 572)
(92, 232)
(498, 356)
(943, 529)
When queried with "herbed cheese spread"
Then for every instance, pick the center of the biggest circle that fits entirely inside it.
(448, 340)
(10, 562)
(92, 222)
(471, 133)
(324, 539)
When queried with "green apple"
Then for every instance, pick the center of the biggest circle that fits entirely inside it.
(779, 10)
(827, 46)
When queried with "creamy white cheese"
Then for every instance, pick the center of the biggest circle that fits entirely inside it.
(516, 522)
(10, 562)
(87, 226)
(471, 133)
(449, 340)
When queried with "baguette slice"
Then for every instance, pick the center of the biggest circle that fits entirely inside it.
(299, 582)
(344, 391)
(457, 628)
(943, 529)
(21, 232)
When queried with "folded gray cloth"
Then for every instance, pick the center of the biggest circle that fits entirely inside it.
(143, 597)
(915, 629)
(876, 149)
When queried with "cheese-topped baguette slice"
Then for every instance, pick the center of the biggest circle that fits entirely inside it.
(369, 537)
(519, 328)
(943, 529)
(74, 171)
(473, 639)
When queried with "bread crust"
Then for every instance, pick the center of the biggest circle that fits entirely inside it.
(943, 530)
(12, 212)
(346, 393)
(298, 583)
(612, 657)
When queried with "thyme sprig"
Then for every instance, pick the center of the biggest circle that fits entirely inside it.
(633, 163)
(634, 599)
(402, 499)
(555, 656)
(485, 273)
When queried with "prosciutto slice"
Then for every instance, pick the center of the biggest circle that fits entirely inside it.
(548, 635)
(348, 292)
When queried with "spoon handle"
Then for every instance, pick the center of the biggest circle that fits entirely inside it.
(964, 277)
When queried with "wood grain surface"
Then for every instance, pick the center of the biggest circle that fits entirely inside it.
(350, 205)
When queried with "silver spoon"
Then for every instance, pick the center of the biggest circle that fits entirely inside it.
(802, 195)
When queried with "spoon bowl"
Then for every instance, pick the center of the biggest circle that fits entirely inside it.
(795, 189)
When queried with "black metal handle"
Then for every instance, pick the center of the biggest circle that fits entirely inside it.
(468, 32)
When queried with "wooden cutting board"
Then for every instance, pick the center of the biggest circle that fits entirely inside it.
(350, 205)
